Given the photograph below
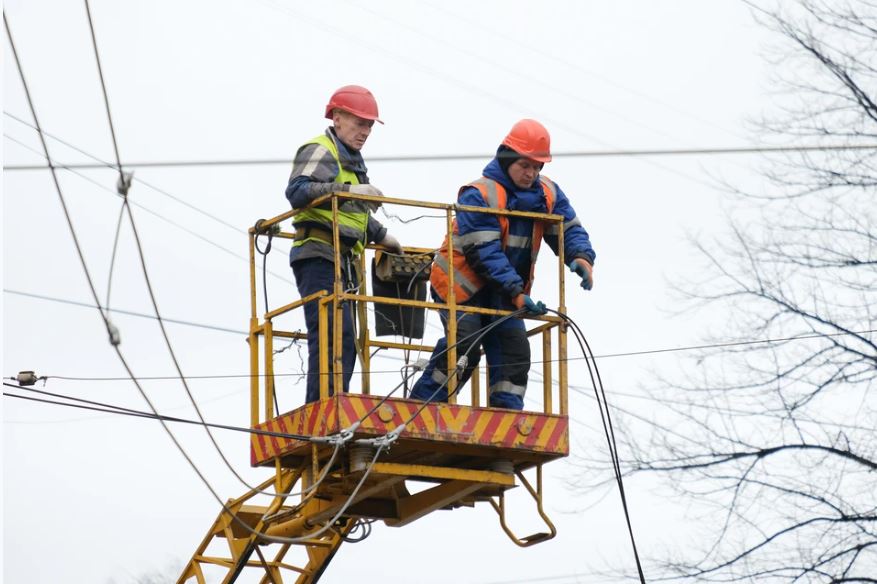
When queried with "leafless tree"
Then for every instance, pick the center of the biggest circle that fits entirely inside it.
(779, 439)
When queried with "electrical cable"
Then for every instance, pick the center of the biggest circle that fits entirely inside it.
(123, 186)
(113, 409)
(147, 209)
(383, 371)
(126, 312)
(706, 151)
(608, 429)
(113, 255)
(110, 329)
(105, 164)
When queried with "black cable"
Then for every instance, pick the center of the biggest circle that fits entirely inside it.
(113, 256)
(105, 164)
(264, 253)
(113, 409)
(608, 429)
(150, 211)
(109, 327)
(103, 86)
(461, 157)
(123, 185)
(127, 312)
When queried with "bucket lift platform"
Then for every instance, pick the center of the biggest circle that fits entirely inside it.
(349, 474)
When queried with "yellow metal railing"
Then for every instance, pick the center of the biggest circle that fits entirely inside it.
(262, 374)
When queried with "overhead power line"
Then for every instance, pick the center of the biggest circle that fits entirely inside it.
(458, 157)
(128, 312)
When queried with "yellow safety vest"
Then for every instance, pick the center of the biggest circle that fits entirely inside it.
(352, 215)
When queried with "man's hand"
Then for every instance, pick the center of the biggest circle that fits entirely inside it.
(534, 306)
(585, 271)
(392, 244)
(370, 190)
(366, 190)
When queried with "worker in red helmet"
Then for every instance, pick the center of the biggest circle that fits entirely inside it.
(330, 163)
(493, 262)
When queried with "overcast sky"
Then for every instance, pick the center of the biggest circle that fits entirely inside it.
(95, 498)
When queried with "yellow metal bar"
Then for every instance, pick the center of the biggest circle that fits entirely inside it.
(291, 335)
(402, 346)
(475, 383)
(416, 506)
(323, 326)
(269, 371)
(467, 208)
(293, 305)
(253, 338)
(562, 379)
(546, 371)
(443, 472)
(337, 307)
(452, 312)
(364, 341)
(253, 341)
(438, 306)
(265, 224)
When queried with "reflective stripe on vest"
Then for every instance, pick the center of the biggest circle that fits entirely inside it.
(466, 281)
(352, 215)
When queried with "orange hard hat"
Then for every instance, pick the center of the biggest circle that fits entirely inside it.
(530, 139)
(354, 99)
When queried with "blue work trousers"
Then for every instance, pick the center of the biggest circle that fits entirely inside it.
(508, 358)
(313, 275)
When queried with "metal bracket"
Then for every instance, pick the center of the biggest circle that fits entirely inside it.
(536, 493)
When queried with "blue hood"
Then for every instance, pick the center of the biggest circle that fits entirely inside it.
(530, 199)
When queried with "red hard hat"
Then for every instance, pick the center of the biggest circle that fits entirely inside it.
(530, 139)
(354, 99)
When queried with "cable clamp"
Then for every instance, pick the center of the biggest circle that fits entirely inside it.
(115, 337)
(25, 378)
(343, 437)
(123, 184)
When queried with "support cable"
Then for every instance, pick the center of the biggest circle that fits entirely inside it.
(114, 340)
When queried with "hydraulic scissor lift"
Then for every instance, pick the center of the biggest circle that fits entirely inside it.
(352, 457)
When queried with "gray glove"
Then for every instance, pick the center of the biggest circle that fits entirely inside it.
(391, 243)
(366, 190)
(370, 190)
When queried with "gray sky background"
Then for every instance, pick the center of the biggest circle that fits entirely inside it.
(93, 498)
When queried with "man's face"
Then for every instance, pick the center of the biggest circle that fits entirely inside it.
(351, 129)
(524, 171)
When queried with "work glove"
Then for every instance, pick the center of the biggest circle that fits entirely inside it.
(370, 190)
(366, 190)
(533, 306)
(392, 244)
(584, 270)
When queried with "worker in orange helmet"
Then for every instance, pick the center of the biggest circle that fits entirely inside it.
(493, 261)
(330, 163)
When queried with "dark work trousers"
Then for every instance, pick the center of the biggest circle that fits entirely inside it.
(313, 275)
(508, 357)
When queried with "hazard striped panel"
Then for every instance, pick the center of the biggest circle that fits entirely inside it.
(533, 432)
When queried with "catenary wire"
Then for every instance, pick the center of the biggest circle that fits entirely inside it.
(105, 164)
(115, 346)
(147, 209)
(127, 312)
(707, 151)
(114, 409)
(123, 189)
